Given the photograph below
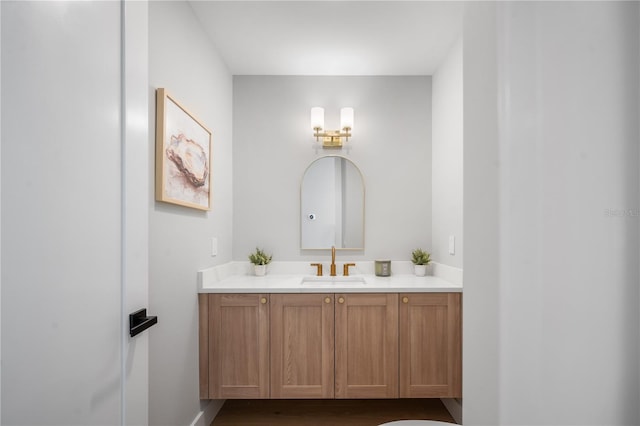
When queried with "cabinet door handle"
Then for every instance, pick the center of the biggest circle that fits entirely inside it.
(327, 300)
(405, 300)
(263, 300)
(341, 300)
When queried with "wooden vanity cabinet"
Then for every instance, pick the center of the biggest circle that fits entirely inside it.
(367, 345)
(234, 336)
(430, 345)
(355, 345)
(302, 346)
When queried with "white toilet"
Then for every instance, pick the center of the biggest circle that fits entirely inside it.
(417, 423)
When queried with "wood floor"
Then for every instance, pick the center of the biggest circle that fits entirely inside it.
(371, 412)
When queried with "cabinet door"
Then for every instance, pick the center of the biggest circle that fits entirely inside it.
(302, 345)
(430, 345)
(238, 346)
(366, 345)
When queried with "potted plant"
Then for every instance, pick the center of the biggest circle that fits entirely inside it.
(260, 260)
(420, 259)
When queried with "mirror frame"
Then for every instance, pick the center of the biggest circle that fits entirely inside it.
(364, 191)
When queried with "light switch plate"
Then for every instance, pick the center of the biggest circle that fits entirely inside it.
(214, 246)
(452, 244)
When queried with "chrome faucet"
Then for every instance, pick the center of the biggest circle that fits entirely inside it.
(333, 261)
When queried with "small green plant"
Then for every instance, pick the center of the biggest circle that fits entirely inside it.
(259, 257)
(420, 257)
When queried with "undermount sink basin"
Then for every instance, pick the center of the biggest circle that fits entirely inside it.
(315, 280)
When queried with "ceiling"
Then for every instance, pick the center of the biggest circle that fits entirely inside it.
(331, 37)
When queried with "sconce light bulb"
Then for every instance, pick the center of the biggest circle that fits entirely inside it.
(346, 118)
(317, 118)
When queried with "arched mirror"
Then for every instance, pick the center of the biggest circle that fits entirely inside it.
(332, 205)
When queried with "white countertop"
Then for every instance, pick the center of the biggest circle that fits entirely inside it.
(297, 277)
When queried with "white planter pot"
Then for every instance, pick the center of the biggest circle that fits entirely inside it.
(260, 270)
(420, 270)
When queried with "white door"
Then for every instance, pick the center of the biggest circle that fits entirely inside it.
(74, 214)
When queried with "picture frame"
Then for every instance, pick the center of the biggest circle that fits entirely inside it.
(183, 155)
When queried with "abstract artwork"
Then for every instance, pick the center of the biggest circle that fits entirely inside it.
(183, 155)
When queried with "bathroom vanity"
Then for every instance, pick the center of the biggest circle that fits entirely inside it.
(292, 336)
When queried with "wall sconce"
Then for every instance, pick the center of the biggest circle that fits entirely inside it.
(331, 138)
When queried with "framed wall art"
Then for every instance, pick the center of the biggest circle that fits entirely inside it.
(183, 155)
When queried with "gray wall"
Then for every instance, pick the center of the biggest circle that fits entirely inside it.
(183, 61)
(447, 158)
(273, 145)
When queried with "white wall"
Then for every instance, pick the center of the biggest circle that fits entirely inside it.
(136, 210)
(61, 283)
(182, 60)
(447, 158)
(569, 214)
(480, 325)
(0, 222)
(273, 145)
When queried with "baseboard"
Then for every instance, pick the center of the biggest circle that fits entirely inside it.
(454, 407)
(206, 416)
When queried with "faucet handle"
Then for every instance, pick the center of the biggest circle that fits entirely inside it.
(345, 268)
(319, 270)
